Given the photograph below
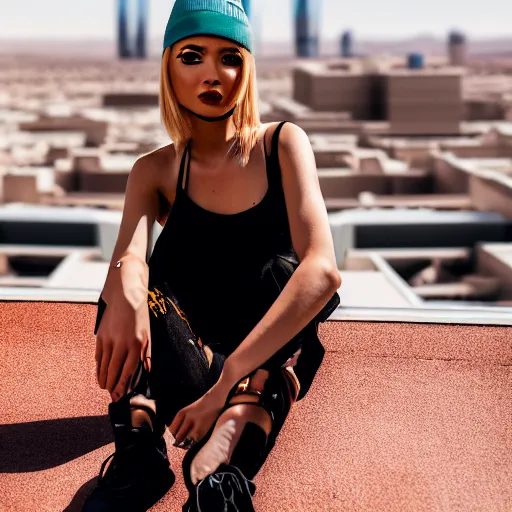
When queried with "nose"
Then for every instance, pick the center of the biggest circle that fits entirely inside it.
(211, 72)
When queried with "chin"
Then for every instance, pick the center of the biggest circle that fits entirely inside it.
(204, 106)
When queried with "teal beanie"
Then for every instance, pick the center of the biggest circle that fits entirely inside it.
(222, 18)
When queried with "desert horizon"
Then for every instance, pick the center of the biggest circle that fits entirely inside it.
(106, 48)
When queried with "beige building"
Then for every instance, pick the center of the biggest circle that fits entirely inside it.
(95, 131)
(423, 101)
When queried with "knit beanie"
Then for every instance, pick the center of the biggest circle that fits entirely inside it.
(222, 18)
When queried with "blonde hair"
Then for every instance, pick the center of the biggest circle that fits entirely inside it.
(246, 116)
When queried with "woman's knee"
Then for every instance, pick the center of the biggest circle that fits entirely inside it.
(245, 405)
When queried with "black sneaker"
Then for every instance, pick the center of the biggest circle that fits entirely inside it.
(225, 490)
(138, 474)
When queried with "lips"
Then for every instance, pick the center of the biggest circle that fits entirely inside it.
(211, 96)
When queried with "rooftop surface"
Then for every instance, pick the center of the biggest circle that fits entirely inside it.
(401, 417)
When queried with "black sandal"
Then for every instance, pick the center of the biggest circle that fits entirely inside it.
(226, 487)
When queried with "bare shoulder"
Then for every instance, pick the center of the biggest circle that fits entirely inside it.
(268, 131)
(156, 164)
(289, 136)
(294, 149)
(292, 135)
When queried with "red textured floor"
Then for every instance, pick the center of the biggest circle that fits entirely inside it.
(400, 418)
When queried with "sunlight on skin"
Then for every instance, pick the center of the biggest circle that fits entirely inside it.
(227, 433)
(228, 430)
(214, 452)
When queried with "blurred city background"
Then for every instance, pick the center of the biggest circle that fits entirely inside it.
(408, 108)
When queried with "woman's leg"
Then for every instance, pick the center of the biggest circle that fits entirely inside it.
(182, 370)
(246, 430)
(182, 363)
(180, 366)
(138, 473)
(142, 404)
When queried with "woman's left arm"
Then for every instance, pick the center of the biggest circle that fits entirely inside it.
(316, 278)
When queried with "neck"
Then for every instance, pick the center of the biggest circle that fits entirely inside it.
(212, 140)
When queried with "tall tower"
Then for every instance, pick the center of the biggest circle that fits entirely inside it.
(457, 48)
(347, 42)
(132, 29)
(123, 47)
(142, 23)
(246, 4)
(253, 11)
(307, 27)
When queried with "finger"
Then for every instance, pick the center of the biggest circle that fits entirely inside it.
(97, 357)
(185, 428)
(176, 423)
(98, 367)
(136, 376)
(146, 355)
(105, 361)
(114, 368)
(130, 365)
(190, 440)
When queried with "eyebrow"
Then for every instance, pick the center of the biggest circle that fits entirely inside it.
(201, 49)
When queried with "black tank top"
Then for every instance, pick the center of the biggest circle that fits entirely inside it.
(213, 261)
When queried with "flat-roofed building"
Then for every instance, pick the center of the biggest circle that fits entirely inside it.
(336, 87)
(488, 142)
(424, 101)
(96, 131)
(413, 101)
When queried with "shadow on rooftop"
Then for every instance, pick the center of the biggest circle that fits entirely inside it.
(39, 445)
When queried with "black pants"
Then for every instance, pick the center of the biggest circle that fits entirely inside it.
(278, 395)
(181, 371)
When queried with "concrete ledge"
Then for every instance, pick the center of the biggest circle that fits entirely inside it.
(468, 316)
(420, 314)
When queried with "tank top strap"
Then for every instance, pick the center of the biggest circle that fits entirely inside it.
(274, 170)
(275, 138)
(182, 169)
(274, 177)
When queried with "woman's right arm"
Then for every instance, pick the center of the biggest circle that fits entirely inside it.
(123, 334)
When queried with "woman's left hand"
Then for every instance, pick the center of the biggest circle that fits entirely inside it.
(196, 419)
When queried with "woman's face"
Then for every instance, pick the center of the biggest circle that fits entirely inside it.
(203, 63)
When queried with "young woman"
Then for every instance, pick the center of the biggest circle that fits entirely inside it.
(215, 337)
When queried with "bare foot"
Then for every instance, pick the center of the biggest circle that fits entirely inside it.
(214, 452)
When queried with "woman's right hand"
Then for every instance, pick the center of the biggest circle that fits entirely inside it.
(123, 339)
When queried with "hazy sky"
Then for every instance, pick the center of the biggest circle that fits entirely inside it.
(368, 19)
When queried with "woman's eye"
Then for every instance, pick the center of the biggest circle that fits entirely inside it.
(195, 58)
(232, 59)
(189, 57)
